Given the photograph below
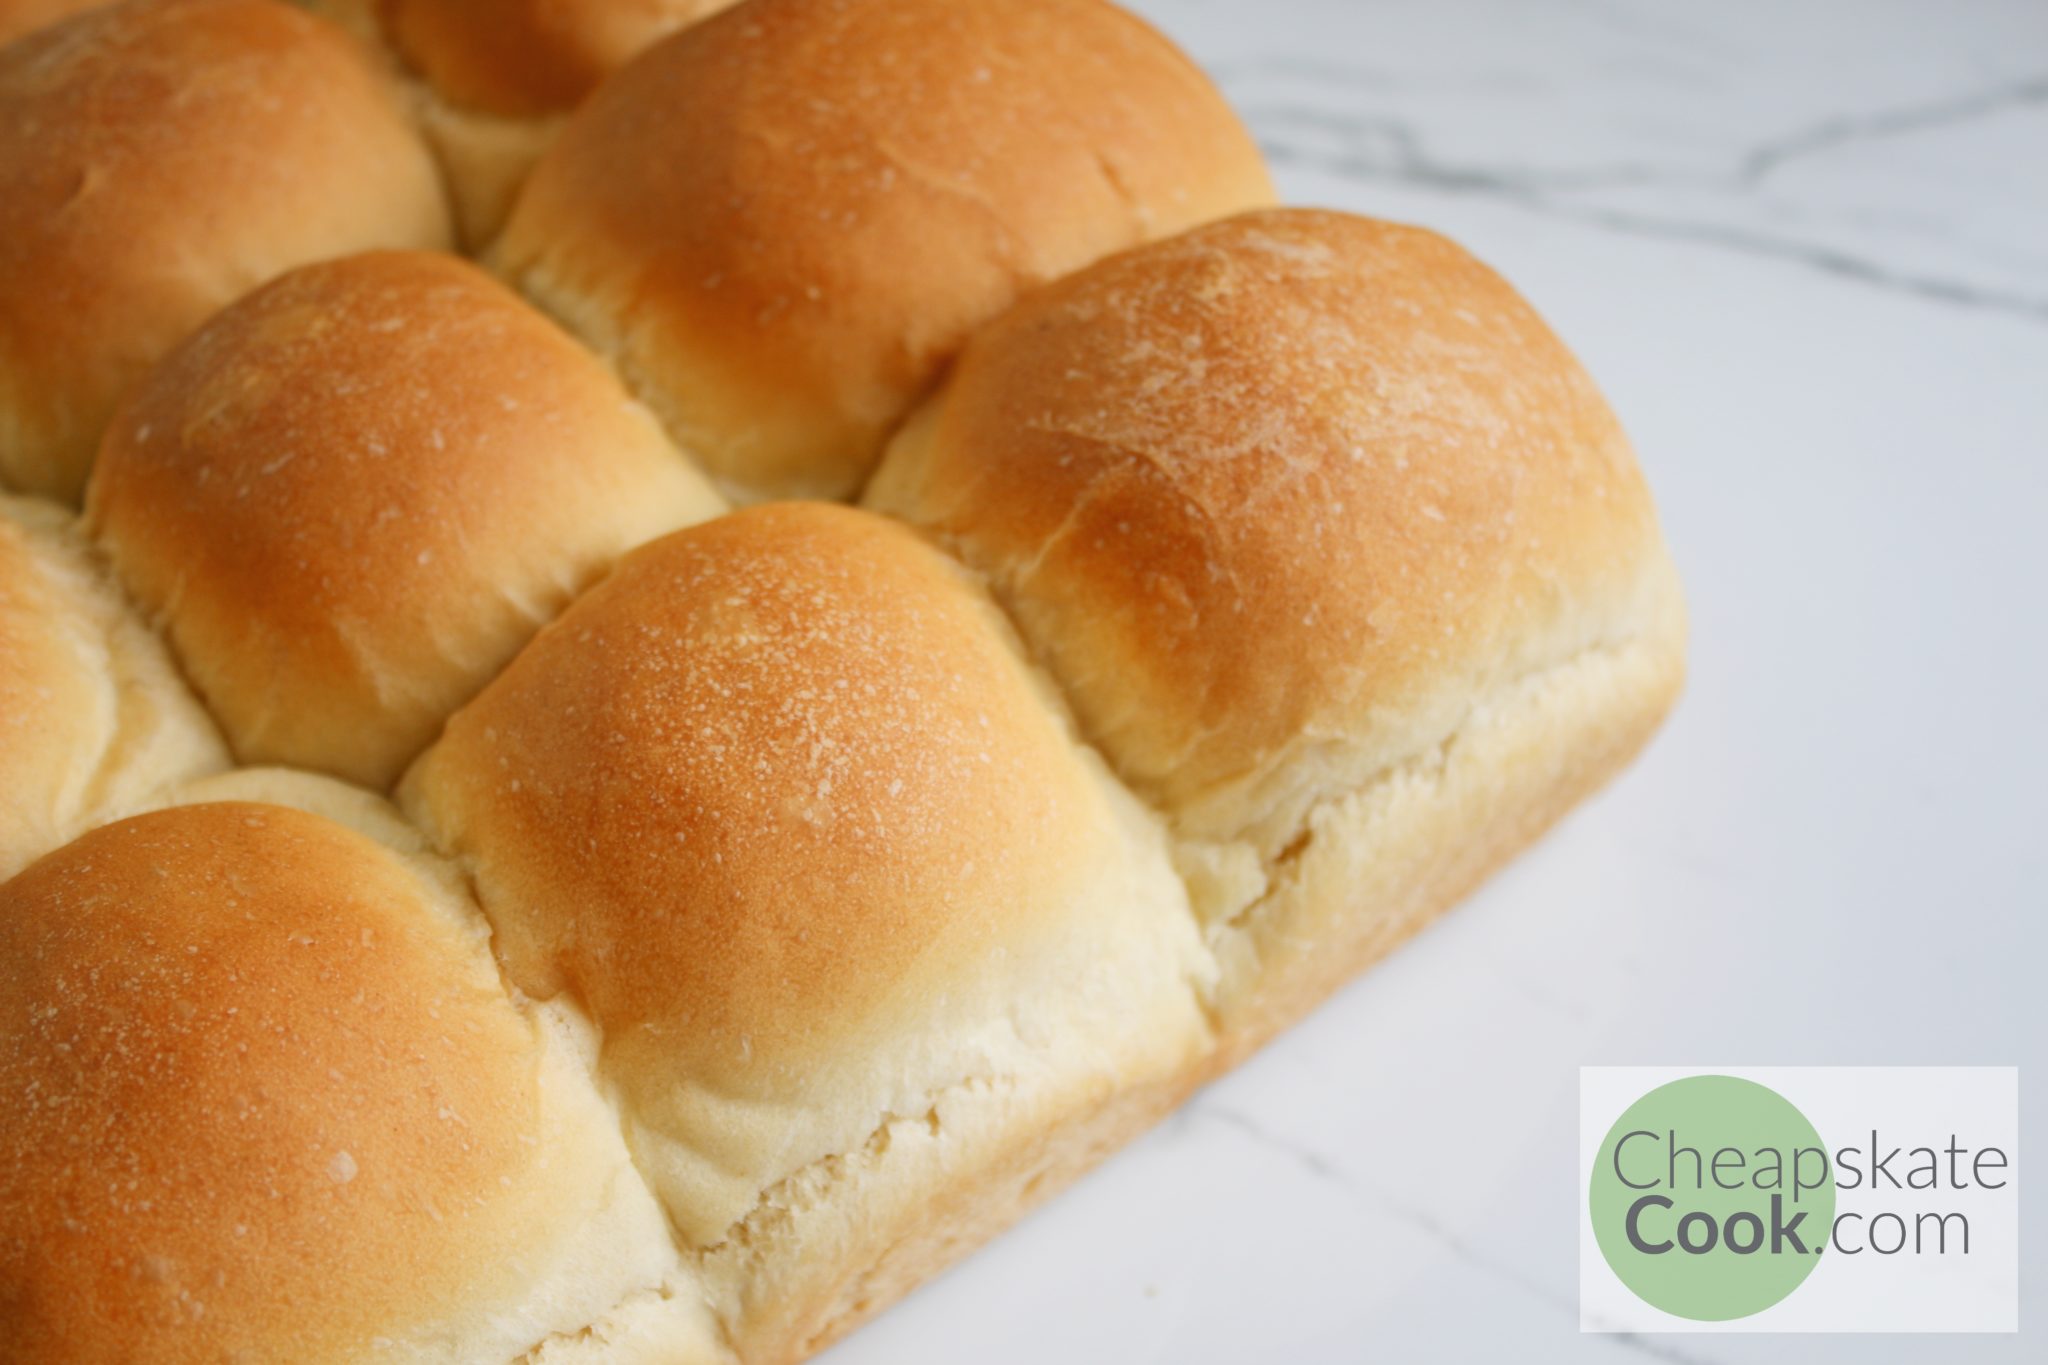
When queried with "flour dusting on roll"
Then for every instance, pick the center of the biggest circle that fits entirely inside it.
(783, 221)
(354, 494)
(158, 159)
(468, 895)
(320, 1128)
(781, 806)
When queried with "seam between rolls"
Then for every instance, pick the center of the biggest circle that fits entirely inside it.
(154, 623)
(412, 91)
(609, 344)
(1201, 992)
(662, 1293)
(1078, 736)
(419, 99)
(590, 1069)
(1433, 759)
(94, 637)
(1301, 836)
(739, 1242)
(463, 864)
(739, 1235)
(110, 611)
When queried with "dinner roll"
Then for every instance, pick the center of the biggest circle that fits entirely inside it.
(93, 718)
(1312, 517)
(157, 159)
(18, 18)
(270, 1101)
(495, 77)
(783, 221)
(354, 494)
(865, 933)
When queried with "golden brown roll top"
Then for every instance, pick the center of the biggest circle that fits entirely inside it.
(1279, 501)
(158, 159)
(780, 805)
(269, 1101)
(783, 221)
(93, 718)
(353, 495)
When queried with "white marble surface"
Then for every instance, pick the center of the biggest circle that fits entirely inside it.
(1804, 248)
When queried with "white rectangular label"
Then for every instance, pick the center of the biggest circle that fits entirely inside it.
(1799, 1199)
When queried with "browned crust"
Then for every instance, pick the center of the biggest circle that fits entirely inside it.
(1275, 499)
(416, 468)
(777, 769)
(248, 1001)
(157, 160)
(781, 276)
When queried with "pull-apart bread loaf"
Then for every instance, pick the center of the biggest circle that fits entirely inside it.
(418, 468)
(269, 1101)
(94, 720)
(878, 953)
(158, 159)
(1339, 555)
(776, 903)
(783, 221)
(494, 80)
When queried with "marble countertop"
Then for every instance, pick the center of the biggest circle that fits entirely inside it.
(1804, 248)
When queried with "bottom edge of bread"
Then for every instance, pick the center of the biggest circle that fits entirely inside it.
(1373, 869)
(996, 1175)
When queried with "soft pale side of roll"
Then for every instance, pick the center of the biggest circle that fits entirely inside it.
(94, 719)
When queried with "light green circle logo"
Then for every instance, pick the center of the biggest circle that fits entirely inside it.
(1712, 1198)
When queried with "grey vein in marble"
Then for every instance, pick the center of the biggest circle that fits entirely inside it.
(1377, 146)
(1837, 132)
